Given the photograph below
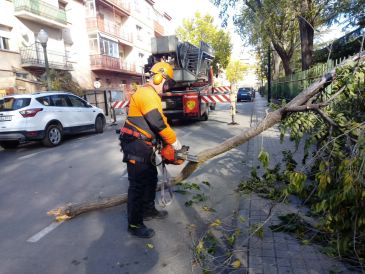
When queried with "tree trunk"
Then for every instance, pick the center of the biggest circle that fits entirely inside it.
(277, 62)
(306, 41)
(306, 34)
(285, 57)
(272, 118)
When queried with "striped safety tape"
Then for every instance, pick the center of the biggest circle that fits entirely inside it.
(216, 98)
(222, 88)
(120, 104)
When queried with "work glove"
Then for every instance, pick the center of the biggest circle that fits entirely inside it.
(176, 145)
(172, 156)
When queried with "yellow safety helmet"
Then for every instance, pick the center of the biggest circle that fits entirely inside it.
(161, 70)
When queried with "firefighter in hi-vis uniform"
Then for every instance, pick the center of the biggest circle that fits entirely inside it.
(144, 124)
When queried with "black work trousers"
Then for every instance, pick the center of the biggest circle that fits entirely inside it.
(142, 190)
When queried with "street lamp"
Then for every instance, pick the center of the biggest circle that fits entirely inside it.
(43, 38)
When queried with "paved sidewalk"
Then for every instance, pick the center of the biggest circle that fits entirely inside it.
(275, 252)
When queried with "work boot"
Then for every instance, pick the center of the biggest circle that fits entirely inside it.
(141, 231)
(153, 213)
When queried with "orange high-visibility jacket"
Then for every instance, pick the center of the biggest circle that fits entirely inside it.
(145, 115)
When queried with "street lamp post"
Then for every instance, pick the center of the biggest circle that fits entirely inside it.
(43, 38)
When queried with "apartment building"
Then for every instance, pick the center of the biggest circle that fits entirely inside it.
(103, 41)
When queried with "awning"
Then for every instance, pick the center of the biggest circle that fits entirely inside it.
(105, 36)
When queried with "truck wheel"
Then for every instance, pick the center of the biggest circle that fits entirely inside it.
(9, 144)
(53, 136)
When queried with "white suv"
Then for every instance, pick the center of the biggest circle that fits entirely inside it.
(46, 116)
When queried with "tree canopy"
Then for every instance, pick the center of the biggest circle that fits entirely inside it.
(202, 28)
(235, 70)
(282, 23)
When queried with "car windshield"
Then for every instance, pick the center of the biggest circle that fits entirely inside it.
(11, 103)
(241, 90)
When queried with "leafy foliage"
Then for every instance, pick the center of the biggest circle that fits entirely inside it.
(235, 71)
(62, 80)
(333, 178)
(202, 28)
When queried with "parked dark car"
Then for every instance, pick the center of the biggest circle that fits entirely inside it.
(252, 90)
(244, 95)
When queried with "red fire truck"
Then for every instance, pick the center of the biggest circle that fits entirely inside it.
(193, 75)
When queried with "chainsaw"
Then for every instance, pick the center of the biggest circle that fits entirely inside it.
(177, 157)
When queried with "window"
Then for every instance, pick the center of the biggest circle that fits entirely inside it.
(45, 100)
(14, 103)
(77, 102)
(136, 6)
(4, 43)
(139, 32)
(59, 100)
(93, 44)
(108, 47)
(90, 8)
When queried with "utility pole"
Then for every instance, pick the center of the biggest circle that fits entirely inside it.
(269, 74)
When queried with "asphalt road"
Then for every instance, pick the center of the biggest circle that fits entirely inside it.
(35, 179)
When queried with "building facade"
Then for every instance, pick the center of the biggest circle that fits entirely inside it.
(104, 44)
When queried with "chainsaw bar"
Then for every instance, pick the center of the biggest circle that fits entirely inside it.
(192, 158)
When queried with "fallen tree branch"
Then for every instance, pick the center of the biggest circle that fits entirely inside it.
(306, 107)
(326, 118)
(71, 210)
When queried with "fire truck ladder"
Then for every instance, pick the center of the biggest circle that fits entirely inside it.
(192, 58)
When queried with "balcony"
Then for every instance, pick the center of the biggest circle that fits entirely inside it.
(97, 24)
(159, 29)
(40, 12)
(33, 57)
(123, 6)
(100, 62)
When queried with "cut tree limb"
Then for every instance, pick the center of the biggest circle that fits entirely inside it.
(71, 210)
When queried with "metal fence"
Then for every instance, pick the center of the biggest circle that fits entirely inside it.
(290, 86)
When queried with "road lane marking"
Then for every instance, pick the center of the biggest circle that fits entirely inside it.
(36, 237)
(29, 155)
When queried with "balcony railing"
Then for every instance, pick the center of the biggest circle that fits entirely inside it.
(105, 62)
(123, 5)
(98, 24)
(158, 27)
(41, 8)
(33, 56)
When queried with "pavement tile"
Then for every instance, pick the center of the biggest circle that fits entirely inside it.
(255, 271)
(285, 270)
(270, 260)
(283, 262)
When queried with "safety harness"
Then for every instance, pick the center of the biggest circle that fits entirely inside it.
(136, 134)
